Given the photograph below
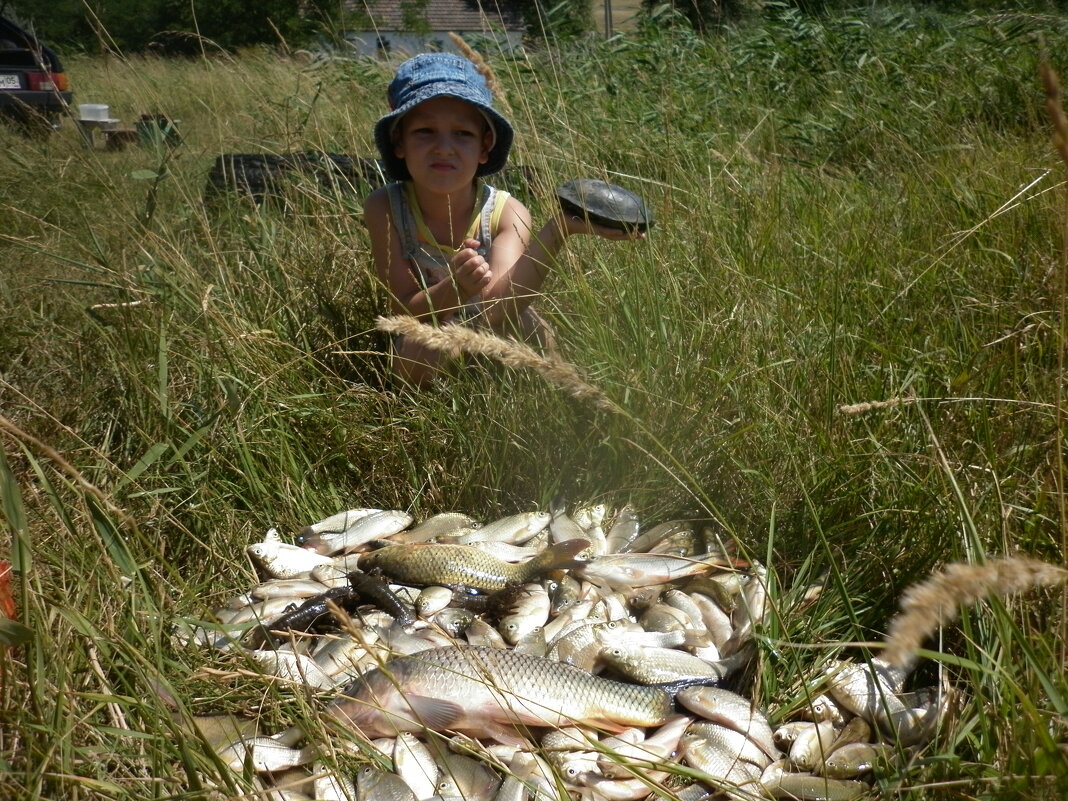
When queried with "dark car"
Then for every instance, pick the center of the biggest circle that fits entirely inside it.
(33, 86)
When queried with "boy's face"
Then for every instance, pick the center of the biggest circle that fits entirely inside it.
(442, 142)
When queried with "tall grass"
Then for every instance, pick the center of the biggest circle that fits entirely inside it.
(854, 210)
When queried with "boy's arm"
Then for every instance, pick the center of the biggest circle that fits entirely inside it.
(406, 296)
(520, 259)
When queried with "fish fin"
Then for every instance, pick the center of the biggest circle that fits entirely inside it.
(502, 733)
(563, 555)
(435, 713)
(673, 688)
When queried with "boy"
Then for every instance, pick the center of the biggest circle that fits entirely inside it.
(448, 247)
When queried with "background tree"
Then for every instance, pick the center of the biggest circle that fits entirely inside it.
(174, 25)
(703, 15)
(560, 19)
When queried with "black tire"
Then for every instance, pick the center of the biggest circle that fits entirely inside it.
(254, 175)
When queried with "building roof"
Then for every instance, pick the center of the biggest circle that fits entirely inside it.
(439, 15)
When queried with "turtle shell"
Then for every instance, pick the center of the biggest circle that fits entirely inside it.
(604, 204)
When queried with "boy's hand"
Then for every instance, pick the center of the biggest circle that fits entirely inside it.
(470, 269)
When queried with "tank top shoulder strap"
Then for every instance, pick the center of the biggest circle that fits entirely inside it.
(403, 220)
(493, 201)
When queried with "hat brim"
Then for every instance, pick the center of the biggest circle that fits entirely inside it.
(395, 167)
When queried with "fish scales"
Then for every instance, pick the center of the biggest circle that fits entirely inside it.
(423, 564)
(480, 690)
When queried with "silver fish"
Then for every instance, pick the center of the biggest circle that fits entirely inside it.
(337, 522)
(733, 711)
(516, 529)
(282, 560)
(812, 745)
(661, 665)
(854, 759)
(722, 753)
(438, 525)
(328, 786)
(414, 763)
(623, 531)
(779, 782)
(375, 784)
(620, 758)
(471, 779)
(265, 754)
(621, 571)
(562, 527)
(376, 525)
(296, 668)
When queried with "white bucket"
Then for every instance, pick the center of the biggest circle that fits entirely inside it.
(93, 111)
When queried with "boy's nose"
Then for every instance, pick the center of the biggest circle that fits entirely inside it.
(442, 143)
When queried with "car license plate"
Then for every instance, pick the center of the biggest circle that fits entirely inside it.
(9, 82)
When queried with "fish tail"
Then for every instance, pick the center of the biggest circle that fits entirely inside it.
(561, 556)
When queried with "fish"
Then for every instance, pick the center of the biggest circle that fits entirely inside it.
(282, 560)
(470, 779)
(336, 523)
(414, 763)
(370, 527)
(312, 614)
(437, 525)
(649, 538)
(529, 611)
(867, 691)
(704, 737)
(265, 754)
(431, 600)
(723, 754)
(627, 570)
(571, 752)
(779, 782)
(623, 530)
(649, 665)
(297, 668)
(516, 529)
(290, 588)
(812, 745)
(375, 784)
(484, 692)
(561, 526)
(330, 787)
(854, 759)
(618, 757)
(422, 564)
(733, 711)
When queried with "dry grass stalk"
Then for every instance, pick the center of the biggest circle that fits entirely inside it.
(455, 340)
(484, 70)
(867, 406)
(936, 602)
(1055, 110)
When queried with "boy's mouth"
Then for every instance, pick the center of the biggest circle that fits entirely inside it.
(442, 166)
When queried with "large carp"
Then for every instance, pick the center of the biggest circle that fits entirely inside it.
(485, 692)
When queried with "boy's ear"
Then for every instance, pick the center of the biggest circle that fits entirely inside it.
(487, 144)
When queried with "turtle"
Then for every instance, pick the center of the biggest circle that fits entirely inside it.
(604, 204)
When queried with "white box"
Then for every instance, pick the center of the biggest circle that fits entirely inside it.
(93, 111)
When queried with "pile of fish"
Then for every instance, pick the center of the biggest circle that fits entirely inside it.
(543, 656)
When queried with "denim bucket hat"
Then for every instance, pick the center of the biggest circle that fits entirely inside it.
(431, 75)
